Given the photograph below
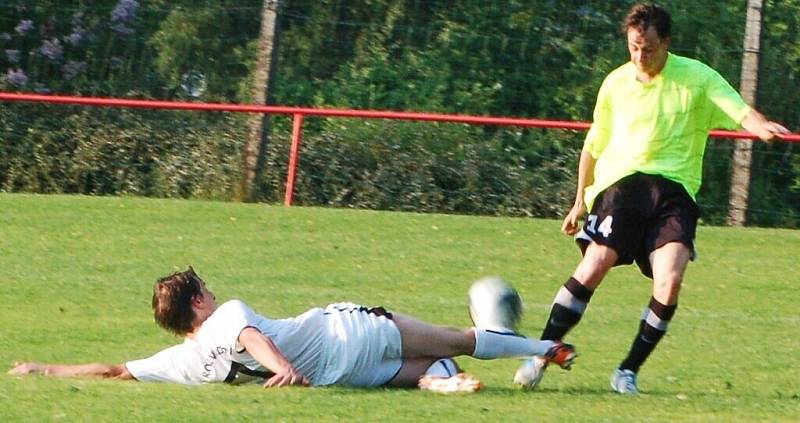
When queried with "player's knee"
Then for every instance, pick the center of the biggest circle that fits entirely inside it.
(671, 276)
(668, 281)
(593, 268)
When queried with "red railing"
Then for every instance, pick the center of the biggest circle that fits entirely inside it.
(298, 114)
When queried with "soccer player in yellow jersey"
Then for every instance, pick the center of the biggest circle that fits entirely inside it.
(639, 173)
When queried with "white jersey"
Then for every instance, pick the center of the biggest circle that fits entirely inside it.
(343, 343)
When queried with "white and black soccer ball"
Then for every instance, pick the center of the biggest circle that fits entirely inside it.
(494, 304)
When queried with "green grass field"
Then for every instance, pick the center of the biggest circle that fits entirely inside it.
(76, 276)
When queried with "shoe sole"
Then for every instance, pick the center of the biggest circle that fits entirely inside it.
(461, 382)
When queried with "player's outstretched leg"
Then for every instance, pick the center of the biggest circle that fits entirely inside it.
(422, 339)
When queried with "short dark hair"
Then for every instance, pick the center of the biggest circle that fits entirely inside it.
(644, 15)
(172, 301)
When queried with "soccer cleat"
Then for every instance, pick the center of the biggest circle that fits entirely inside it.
(561, 354)
(462, 382)
(530, 374)
(624, 382)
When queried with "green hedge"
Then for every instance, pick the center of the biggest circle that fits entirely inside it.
(428, 167)
(54, 149)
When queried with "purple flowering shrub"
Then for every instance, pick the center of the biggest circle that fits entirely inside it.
(16, 77)
(60, 48)
(52, 49)
(123, 15)
(24, 27)
(130, 47)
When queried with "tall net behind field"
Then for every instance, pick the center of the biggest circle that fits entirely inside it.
(534, 58)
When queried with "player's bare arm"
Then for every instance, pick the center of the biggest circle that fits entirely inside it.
(267, 353)
(100, 370)
(757, 124)
(585, 171)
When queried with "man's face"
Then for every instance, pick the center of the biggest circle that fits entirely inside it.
(648, 50)
(207, 301)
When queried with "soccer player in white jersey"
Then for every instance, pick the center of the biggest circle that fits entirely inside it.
(341, 344)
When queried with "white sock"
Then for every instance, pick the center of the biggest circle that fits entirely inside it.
(443, 367)
(490, 345)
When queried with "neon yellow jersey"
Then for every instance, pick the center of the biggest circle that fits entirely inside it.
(661, 127)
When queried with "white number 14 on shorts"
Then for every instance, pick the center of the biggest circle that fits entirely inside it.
(605, 225)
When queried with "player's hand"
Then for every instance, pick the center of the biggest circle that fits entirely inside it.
(21, 369)
(765, 129)
(571, 224)
(287, 377)
(775, 129)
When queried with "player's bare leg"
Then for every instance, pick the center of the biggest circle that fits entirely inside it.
(669, 265)
(421, 339)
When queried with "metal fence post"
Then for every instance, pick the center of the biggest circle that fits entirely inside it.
(291, 176)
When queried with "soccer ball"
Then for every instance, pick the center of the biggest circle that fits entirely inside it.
(494, 304)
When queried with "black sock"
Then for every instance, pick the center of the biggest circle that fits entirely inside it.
(568, 308)
(651, 329)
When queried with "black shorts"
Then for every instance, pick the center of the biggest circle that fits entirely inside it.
(638, 214)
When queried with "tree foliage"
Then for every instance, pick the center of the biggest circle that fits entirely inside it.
(527, 58)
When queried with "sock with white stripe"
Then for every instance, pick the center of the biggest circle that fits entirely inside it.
(655, 319)
(568, 308)
(491, 344)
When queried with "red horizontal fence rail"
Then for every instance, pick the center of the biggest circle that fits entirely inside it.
(298, 114)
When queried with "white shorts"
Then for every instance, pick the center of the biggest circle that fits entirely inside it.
(365, 348)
